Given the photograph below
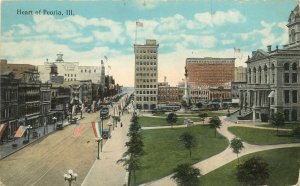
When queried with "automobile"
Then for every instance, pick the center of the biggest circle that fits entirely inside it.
(59, 126)
(106, 134)
(104, 112)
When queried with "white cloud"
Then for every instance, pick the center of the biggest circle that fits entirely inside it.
(220, 18)
(205, 41)
(267, 34)
(228, 41)
(48, 24)
(83, 40)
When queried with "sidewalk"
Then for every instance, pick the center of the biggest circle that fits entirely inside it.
(106, 172)
(6, 148)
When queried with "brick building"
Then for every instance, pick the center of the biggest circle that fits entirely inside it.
(213, 72)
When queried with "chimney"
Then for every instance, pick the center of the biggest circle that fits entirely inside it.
(269, 48)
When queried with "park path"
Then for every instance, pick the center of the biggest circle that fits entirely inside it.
(225, 156)
(106, 171)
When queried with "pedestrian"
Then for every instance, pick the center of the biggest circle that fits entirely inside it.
(121, 124)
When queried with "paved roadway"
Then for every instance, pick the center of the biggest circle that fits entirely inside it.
(45, 161)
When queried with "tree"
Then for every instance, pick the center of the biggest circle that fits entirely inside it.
(134, 146)
(199, 105)
(237, 145)
(253, 172)
(215, 123)
(172, 118)
(277, 120)
(203, 116)
(188, 140)
(186, 175)
(132, 164)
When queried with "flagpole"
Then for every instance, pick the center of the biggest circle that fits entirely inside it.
(135, 32)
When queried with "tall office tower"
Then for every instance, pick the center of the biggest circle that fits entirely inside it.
(145, 76)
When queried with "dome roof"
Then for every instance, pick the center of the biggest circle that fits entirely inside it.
(295, 14)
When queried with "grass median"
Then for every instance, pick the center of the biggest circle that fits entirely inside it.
(163, 150)
(263, 136)
(145, 121)
(283, 168)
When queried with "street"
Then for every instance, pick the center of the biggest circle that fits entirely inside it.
(45, 161)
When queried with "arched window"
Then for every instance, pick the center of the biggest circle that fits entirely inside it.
(286, 66)
(259, 74)
(266, 74)
(249, 71)
(254, 75)
(294, 66)
(273, 73)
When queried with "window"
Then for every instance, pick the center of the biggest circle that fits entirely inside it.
(294, 77)
(293, 35)
(286, 77)
(249, 75)
(286, 66)
(273, 73)
(266, 74)
(286, 96)
(95, 70)
(254, 75)
(294, 115)
(294, 96)
(286, 115)
(294, 66)
(259, 75)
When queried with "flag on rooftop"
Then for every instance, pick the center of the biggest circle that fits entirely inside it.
(78, 129)
(20, 132)
(105, 57)
(139, 24)
(96, 129)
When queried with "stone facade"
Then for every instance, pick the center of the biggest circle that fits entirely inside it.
(273, 83)
(240, 74)
(146, 76)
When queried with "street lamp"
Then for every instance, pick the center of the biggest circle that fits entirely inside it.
(54, 118)
(98, 140)
(29, 128)
(70, 176)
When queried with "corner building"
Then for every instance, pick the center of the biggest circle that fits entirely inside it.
(273, 83)
(145, 76)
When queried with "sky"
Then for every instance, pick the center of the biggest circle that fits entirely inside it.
(183, 29)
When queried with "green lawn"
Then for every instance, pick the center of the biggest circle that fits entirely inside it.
(163, 151)
(263, 136)
(152, 121)
(286, 126)
(283, 169)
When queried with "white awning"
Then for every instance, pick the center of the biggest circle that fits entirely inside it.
(272, 94)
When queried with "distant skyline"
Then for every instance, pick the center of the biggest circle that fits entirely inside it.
(183, 29)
